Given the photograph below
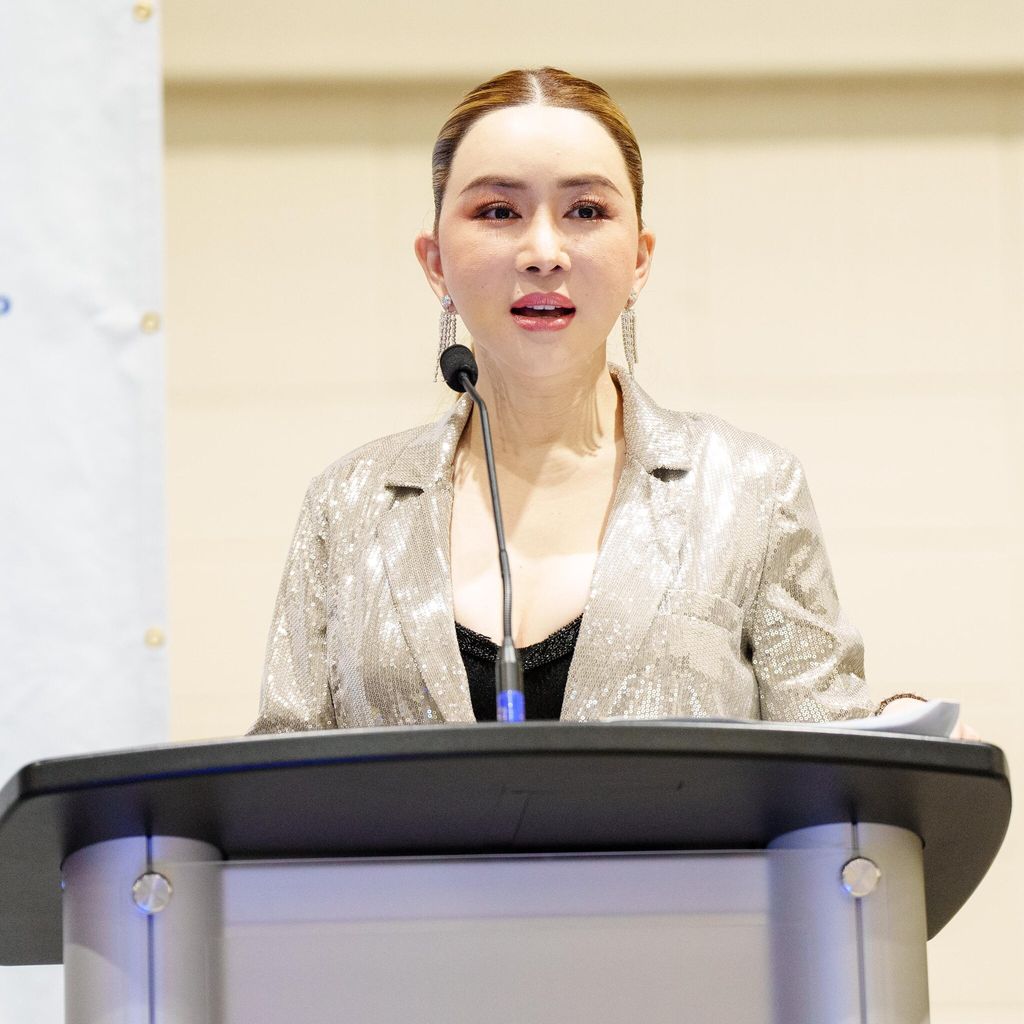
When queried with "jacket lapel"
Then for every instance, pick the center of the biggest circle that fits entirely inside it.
(414, 541)
(639, 557)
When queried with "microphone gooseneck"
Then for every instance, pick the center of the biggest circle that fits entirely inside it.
(460, 372)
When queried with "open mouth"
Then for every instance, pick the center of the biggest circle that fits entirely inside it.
(543, 311)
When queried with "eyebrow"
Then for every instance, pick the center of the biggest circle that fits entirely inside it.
(512, 184)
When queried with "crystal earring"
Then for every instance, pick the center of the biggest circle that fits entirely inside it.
(628, 321)
(447, 327)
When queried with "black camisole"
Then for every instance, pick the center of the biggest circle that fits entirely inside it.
(545, 670)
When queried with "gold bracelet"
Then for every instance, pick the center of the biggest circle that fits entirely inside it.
(898, 696)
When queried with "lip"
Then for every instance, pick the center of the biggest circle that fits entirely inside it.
(534, 323)
(544, 299)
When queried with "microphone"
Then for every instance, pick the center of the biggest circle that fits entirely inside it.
(459, 369)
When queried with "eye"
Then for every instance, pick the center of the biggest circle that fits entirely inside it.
(497, 211)
(587, 209)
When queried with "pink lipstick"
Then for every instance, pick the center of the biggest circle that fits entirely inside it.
(543, 311)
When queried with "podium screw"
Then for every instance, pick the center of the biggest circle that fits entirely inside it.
(152, 892)
(860, 876)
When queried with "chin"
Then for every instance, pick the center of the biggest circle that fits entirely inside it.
(545, 357)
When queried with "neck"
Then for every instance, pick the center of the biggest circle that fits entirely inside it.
(552, 423)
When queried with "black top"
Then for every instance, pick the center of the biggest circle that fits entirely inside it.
(545, 670)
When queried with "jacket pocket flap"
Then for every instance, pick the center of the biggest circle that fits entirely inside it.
(709, 607)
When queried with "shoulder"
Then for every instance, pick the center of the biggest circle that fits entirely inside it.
(367, 462)
(667, 439)
(713, 436)
(360, 472)
(748, 461)
(724, 458)
(417, 458)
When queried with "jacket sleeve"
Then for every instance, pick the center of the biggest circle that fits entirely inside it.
(296, 693)
(808, 659)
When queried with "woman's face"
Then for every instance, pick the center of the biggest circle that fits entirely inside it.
(538, 212)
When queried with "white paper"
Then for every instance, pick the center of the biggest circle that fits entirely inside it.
(929, 718)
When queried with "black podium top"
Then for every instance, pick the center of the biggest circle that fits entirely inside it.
(499, 788)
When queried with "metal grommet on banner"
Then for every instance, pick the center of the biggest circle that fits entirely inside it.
(142, 11)
(154, 637)
(150, 323)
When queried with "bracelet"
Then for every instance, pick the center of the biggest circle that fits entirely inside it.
(897, 696)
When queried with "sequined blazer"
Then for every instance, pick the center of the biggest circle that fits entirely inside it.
(712, 593)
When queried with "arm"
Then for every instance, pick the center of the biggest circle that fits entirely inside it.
(296, 692)
(808, 660)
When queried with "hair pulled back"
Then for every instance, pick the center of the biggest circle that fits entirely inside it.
(548, 87)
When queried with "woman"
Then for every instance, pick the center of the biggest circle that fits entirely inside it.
(663, 563)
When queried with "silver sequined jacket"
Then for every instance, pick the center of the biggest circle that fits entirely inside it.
(712, 593)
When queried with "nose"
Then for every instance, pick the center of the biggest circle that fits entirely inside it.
(542, 247)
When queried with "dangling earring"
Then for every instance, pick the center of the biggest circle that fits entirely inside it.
(628, 320)
(447, 327)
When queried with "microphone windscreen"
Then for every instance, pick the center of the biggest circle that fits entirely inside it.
(455, 361)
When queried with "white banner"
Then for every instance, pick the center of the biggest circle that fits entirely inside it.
(82, 539)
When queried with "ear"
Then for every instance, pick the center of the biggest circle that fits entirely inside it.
(428, 252)
(644, 255)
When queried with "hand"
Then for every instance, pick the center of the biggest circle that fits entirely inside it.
(962, 731)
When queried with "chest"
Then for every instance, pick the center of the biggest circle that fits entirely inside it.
(553, 535)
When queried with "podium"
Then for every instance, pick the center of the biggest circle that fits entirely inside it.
(640, 871)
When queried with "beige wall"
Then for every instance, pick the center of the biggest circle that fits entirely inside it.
(840, 267)
(412, 40)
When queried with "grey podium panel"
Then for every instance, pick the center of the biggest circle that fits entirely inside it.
(767, 937)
